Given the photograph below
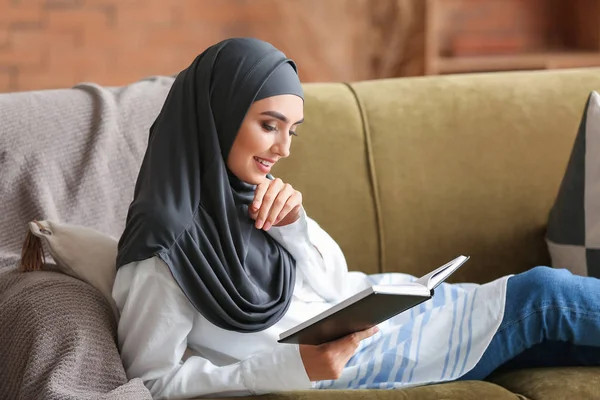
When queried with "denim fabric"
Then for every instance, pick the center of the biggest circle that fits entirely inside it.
(551, 318)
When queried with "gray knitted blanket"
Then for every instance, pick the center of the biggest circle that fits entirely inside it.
(57, 341)
(71, 155)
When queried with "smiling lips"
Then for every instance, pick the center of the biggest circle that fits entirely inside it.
(263, 165)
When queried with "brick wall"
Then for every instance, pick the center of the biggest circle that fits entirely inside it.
(476, 27)
(54, 43)
(57, 43)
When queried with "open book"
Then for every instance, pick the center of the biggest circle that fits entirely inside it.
(369, 308)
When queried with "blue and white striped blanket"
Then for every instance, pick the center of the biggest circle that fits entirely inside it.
(439, 340)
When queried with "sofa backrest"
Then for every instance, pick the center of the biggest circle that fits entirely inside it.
(465, 164)
(329, 165)
(403, 173)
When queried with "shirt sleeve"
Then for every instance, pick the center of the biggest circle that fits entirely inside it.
(319, 256)
(156, 319)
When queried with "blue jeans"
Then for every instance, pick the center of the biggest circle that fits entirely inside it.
(551, 318)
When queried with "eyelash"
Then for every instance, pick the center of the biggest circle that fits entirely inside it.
(270, 128)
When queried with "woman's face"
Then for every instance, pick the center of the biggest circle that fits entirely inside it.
(265, 137)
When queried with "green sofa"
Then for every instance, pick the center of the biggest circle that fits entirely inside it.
(408, 173)
(404, 174)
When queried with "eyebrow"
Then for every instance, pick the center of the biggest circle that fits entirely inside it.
(280, 116)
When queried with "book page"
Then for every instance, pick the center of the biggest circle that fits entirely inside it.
(434, 278)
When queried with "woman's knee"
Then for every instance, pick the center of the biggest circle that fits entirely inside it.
(547, 275)
(540, 279)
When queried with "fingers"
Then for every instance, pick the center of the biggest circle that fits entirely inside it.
(346, 347)
(252, 212)
(277, 205)
(292, 203)
(367, 333)
(286, 201)
(273, 201)
(266, 202)
(277, 202)
(259, 193)
(357, 337)
(327, 361)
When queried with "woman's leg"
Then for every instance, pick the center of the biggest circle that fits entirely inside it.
(546, 310)
(554, 354)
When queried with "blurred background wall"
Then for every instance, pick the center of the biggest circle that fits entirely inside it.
(58, 43)
(54, 43)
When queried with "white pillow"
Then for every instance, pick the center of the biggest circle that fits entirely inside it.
(82, 253)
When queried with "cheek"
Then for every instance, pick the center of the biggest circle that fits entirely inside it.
(249, 142)
(254, 141)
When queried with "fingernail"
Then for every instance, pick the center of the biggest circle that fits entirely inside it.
(255, 205)
(267, 226)
(259, 223)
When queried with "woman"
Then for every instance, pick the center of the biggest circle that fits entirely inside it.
(218, 258)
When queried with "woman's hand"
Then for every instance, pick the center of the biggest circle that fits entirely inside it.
(275, 204)
(327, 361)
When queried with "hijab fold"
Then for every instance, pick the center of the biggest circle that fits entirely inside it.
(191, 211)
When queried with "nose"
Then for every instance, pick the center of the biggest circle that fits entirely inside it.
(282, 146)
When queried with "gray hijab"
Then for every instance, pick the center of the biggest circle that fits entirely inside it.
(191, 211)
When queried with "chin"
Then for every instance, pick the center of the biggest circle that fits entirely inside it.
(260, 179)
(254, 179)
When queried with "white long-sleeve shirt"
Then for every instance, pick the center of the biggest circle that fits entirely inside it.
(437, 341)
(158, 324)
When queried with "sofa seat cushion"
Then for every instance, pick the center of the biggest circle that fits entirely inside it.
(551, 383)
(464, 390)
